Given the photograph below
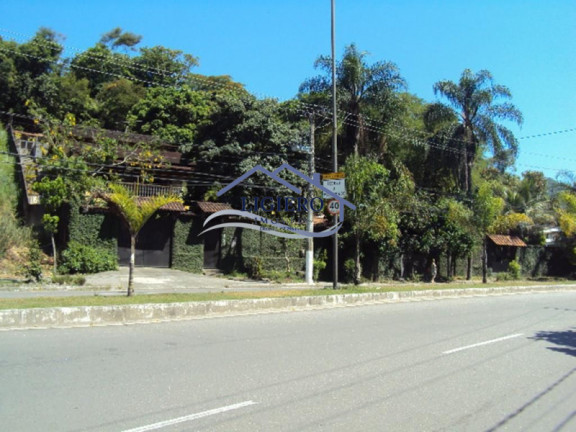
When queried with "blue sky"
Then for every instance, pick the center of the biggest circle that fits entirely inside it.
(270, 46)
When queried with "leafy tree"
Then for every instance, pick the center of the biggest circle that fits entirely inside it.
(566, 212)
(163, 66)
(116, 99)
(363, 90)
(379, 195)
(99, 65)
(243, 132)
(565, 209)
(487, 208)
(61, 95)
(172, 114)
(474, 100)
(25, 67)
(53, 194)
(116, 38)
(134, 212)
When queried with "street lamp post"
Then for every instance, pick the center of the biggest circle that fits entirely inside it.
(334, 144)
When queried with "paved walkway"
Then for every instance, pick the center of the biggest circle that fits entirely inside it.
(147, 280)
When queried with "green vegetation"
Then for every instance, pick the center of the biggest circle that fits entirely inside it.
(45, 302)
(11, 232)
(80, 258)
(429, 180)
(68, 280)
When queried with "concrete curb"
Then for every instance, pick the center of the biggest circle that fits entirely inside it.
(87, 316)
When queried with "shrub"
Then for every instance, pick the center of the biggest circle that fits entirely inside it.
(320, 264)
(10, 233)
(69, 280)
(254, 267)
(79, 258)
(32, 270)
(349, 268)
(514, 269)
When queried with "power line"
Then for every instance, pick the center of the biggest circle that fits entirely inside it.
(367, 122)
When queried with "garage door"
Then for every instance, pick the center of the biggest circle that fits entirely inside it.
(153, 246)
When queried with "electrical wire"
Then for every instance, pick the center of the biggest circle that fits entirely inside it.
(366, 121)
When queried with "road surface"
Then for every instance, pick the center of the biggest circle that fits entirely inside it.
(483, 364)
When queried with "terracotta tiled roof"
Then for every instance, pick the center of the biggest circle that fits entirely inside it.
(506, 240)
(212, 207)
(175, 207)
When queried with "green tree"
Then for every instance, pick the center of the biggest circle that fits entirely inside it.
(117, 38)
(99, 65)
(134, 212)
(487, 208)
(474, 100)
(172, 114)
(364, 90)
(242, 132)
(116, 99)
(163, 66)
(379, 195)
(53, 194)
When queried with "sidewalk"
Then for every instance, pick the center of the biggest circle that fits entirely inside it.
(147, 280)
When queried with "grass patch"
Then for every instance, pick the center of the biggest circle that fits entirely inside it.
(76, 280)
(120, 299)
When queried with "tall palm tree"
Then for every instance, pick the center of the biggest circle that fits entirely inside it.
(134, 212)
(475, 102)
(363, 90)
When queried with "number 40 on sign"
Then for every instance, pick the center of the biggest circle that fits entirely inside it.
(333, 207)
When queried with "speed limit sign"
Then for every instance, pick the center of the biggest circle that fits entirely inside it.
(333, 207)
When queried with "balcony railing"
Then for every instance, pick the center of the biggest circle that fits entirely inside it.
(148, 190)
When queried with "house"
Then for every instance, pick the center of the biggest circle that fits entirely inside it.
(501, 250)
(95, 225)
(552, 235)
(170, 239)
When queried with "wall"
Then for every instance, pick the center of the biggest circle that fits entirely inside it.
(187, 247)
(259, 253)
(97, 229)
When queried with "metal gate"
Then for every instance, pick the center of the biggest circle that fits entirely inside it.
(153, 246)
(212, 248)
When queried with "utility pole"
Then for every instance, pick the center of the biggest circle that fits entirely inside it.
(334, 147)
(310, 216)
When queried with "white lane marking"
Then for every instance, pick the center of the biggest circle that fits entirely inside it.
(482, 343)
(191, 417)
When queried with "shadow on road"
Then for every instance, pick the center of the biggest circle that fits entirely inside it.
(566, 340)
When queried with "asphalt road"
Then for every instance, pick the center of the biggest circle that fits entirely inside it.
(484, 364)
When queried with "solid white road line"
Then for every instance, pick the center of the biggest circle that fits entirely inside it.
(482, 343)
(191, 417)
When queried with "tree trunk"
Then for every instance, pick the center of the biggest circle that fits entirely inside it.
(484, 263)
(358, 265)
(132, 264)
(469, 267)
(54, 254)
(448, 265)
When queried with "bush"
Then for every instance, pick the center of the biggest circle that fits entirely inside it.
(10, 233)
(69, 280)
(514, 269)
(32, 270)
(79, 258)
(349, 269)
(320, 264)
(254, 267)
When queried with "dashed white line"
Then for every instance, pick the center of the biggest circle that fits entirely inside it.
(482, 343)
(177, 420)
